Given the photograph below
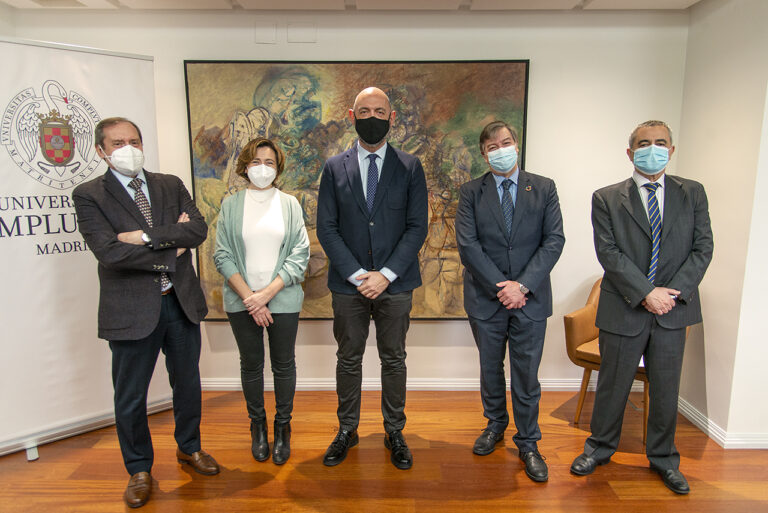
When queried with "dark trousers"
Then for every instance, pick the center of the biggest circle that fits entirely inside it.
(351, 320)
(525, 338)
(133, 362)
(282, 344)
(620, 356)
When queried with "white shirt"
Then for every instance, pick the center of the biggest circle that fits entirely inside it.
(640, 180)
(263, 234)
(364, 162)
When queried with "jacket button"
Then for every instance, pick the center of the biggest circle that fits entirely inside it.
(371, 223)
(369, 252)
(156, 280)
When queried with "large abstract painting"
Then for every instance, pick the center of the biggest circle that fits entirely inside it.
(303, 106)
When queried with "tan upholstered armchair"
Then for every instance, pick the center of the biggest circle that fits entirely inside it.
(581, 344)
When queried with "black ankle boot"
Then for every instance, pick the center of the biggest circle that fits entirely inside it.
(259, 442)
(281, 451)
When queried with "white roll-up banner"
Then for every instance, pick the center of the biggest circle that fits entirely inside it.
(55, 374)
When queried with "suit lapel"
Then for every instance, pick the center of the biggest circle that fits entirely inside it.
(385, 177)
(352, 170)
(116, 189)
(673, 202)
(521, 202)
(490, 201)
(631, 202)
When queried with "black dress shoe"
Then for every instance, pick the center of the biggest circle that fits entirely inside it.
(401, 455)
(281, 450)
(674, 480)
(259, 442)
(584, 465)
(535, 468)
(337, 451)
(486, 443)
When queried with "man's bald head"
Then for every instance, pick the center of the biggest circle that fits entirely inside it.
(373, 93)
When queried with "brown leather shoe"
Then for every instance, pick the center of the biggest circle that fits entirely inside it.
(201, 461)
(137, 492)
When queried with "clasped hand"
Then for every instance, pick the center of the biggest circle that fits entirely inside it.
(262, 316)
(374, 283)
(134, 237)
(660, 301)
(510, 295)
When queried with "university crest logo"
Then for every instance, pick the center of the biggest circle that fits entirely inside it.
(50, 137)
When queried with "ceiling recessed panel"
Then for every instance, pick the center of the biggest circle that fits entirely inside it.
(187, 5)
(639, 4)
(293, 5)
(506, 5)
(407, 5)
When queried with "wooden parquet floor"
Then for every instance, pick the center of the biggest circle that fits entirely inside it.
(85, 473)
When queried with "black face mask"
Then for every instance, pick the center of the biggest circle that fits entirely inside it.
(372, 130)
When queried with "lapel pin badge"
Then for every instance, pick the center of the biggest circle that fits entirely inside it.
(528, 188)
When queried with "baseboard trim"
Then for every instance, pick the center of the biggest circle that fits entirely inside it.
(72, 429)
(466, 384)
(718, 434)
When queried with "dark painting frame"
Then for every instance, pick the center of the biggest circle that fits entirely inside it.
(302, 105)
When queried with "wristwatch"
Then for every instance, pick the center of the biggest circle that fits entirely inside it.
(145, 239)
(524, 289)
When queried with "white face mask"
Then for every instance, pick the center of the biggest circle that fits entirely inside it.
(126, 160)
(261, 176)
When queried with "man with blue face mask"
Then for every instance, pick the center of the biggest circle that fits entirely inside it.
(654, 241)
(510, 235)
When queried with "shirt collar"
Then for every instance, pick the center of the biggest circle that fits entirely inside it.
(640, 180)
(125, 180)
(364, 153)
(514, 176)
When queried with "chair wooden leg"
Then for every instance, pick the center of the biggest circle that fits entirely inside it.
(645, 411)
(582, 394)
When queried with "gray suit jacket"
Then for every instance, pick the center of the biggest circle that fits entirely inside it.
(129, 301)
(490, 256)
(623, 244)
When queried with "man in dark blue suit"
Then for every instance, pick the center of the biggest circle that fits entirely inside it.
(371, 222)
(510, 235)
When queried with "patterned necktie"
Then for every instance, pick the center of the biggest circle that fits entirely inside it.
(146, 211)
(654, 217)
(373, 181)
(506, 204)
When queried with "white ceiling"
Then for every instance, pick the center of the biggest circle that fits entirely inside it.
(360, 5)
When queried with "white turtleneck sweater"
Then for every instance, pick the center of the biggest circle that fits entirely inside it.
(263, 233)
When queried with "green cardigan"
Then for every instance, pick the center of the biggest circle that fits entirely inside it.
(291, 262)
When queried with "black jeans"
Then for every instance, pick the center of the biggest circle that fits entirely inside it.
(282, 344)
(133, 362)
(351, 320)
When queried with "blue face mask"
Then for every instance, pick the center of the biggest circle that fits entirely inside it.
(503, 159)
(651, 159)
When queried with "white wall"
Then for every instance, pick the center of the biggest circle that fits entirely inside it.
(723, 145)
(593, 77)
(7, 16)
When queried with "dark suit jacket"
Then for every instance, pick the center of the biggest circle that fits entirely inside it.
(490, 256)
(390, 236)
(623, 244)
(129, 302)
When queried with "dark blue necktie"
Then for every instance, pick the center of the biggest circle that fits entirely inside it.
(373, 181)
(654, 216)
(143, 203)
(506, 204)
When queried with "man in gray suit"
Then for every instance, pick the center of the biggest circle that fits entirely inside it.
(510, 235)
(139, 226)
(654, 241)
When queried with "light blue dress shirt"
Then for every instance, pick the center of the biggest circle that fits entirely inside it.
(125, 180)
(512, 189)
(363, 163)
